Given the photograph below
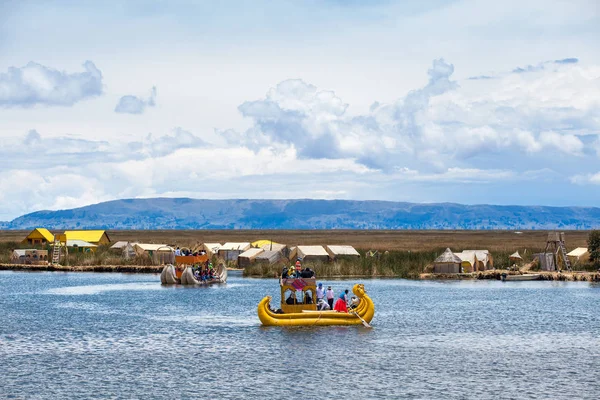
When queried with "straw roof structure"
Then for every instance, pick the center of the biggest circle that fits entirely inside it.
(448, 257)
(515, 256)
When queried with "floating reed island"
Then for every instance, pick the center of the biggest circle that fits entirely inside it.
(385, 254)
(572, 276)
(145, 269)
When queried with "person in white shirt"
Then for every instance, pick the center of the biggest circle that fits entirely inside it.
(330, 296)
(322, 305)
(320, 292)
(177, 252)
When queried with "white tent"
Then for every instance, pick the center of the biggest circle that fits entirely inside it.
(476, 260)
(580, 254)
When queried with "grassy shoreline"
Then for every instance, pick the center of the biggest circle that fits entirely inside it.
(402, 254)
(143, 269)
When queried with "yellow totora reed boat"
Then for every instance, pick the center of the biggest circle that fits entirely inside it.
(305, 313)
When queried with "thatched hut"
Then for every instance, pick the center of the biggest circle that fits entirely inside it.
(246, 258)
(282, 248)
(269, 257)
(546, 261)
(515, 259)
(158, 253)
(125, 248)
(447, 263)
(312, 253)
(337, 252)
(210, 249)
(230, 251)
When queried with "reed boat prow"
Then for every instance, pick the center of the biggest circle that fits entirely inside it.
(168, 275)
(222, 271)
(362, 314)
(171, 275)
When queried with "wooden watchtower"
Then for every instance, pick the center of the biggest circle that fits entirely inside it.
(556, 242)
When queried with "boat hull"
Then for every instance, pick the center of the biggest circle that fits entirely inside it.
(169, 277)
(524, 277)
(362, 314)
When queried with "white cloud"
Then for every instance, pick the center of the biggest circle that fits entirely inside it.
(545, 110)
(130, 104)
(586, 179)
(474, 138)
(566, 143)
(35, 84)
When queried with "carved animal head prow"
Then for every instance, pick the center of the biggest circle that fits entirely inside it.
(359, 289)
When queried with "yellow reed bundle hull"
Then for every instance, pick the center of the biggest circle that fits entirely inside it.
(366, 311)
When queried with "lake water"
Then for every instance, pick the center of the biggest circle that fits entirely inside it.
(86, 335)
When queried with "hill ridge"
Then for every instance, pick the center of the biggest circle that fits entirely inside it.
(187, 213)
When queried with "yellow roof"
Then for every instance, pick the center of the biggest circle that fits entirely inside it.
(88, 236)
(39, 233)
(261, 243)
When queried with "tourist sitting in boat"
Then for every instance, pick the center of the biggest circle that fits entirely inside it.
(354, 301)
(340, 304)
(306, 273)
(291, 272)
(307, 298)
(322, 305)
(276, 311)
(291, 300)
(197, 272)
(284, 272)
(298, 267)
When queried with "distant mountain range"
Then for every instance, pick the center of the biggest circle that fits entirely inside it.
(184, 213)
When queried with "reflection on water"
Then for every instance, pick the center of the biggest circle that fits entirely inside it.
(115, 335)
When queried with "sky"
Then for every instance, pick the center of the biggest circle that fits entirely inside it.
(421, 101)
